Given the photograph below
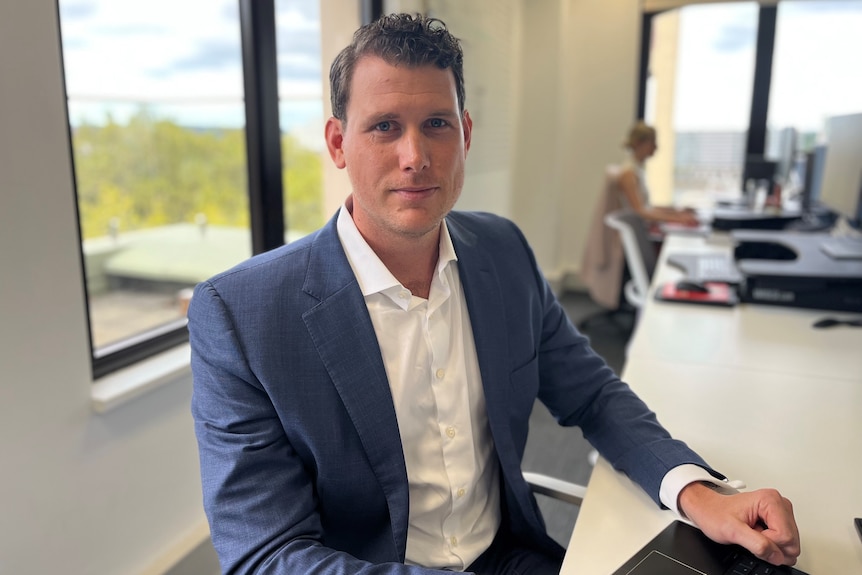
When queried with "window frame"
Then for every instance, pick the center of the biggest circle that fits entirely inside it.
(764, 49)
(264, 165)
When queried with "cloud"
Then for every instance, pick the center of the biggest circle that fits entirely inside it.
(299, 68)
(841, 7)
(293, 41)
(127, 30)
(302, 9)
(77, 9)
(735, 37)
(209, 54)
(190, 63)
(299, 55)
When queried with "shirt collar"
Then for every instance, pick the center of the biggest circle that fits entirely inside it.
(373, 276)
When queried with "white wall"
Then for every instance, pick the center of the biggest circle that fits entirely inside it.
(561, 78)
(600, 43)
(81, 493)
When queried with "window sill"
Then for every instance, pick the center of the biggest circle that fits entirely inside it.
(126, 384)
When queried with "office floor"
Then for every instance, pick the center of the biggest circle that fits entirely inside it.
(562, 452)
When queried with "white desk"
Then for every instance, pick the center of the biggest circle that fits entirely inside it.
(757, 337)
(762, 397)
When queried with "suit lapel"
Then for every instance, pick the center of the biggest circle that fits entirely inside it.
(487, 309)
(344, 336)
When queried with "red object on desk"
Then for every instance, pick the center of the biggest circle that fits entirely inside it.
(719, 294)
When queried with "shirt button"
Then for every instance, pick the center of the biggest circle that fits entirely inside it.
(404, 294)
(454, 541)
(440, 373)
(450, 431)
(461, 492)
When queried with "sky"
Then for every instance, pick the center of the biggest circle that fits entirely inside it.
(185, 56)
(816, 69)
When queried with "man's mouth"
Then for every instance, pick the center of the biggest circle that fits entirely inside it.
(415, 190)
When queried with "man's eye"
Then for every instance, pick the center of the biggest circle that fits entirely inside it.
(436, 123)
(384, 126)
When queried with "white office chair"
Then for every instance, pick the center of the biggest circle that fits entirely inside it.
(555, 488)
(639, 252)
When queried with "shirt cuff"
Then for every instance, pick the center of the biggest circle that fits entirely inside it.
(675, 480)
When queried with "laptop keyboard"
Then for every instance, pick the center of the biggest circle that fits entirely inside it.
(743, 564)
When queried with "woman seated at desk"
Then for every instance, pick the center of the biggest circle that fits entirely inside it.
(631, 183)
(603, 267)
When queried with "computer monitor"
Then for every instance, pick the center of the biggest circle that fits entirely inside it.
(841, 187)
(814, 162)
(782, 149)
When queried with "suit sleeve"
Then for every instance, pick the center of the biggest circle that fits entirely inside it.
(258, 496)
(580, 389)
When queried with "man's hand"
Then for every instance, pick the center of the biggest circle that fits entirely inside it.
(761, 521)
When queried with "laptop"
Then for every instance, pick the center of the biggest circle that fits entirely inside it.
(681, 549)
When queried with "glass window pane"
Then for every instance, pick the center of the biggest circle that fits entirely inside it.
(155, 99)
(300, 87)
(814, 72)
(701, 76)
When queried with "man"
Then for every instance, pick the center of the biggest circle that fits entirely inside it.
(362, 395)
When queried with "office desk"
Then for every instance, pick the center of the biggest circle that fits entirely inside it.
(757, 337)
(770, 418)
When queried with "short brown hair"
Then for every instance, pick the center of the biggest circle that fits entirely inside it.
(398, 39)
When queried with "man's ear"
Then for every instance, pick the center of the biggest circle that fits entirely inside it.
(334, 134)
(467, 123)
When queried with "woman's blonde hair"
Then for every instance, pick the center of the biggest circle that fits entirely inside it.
(640, 132)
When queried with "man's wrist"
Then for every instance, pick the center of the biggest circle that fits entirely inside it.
(678, 478)
(694, 492)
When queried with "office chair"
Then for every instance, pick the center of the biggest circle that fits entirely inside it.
(603, 269)
(555, 488)
(639, 253)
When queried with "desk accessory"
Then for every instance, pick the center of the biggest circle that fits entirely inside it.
(717, 294)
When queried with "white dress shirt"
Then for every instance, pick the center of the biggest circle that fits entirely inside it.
(430, 359)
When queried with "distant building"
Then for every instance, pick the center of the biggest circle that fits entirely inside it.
(708, 160)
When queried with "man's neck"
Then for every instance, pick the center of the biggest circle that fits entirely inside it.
(411, 260)
(412, 263)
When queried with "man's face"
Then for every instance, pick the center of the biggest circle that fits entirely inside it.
(404, 145)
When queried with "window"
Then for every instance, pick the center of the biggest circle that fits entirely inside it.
(157, 119)
(816, 47)
(701, 71)
(300, 90)
(803, 50)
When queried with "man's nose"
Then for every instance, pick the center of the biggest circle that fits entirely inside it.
(413, 151)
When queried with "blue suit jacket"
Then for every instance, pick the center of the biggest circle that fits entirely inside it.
(301, 459)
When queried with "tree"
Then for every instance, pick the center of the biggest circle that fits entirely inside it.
(152, 172)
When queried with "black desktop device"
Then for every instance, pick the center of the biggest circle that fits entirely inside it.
(793, 269)
(728, 219)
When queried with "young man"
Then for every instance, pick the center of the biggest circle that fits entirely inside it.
(362, 396)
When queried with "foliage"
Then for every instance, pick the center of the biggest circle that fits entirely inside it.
(303, 186)
(152, 172)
